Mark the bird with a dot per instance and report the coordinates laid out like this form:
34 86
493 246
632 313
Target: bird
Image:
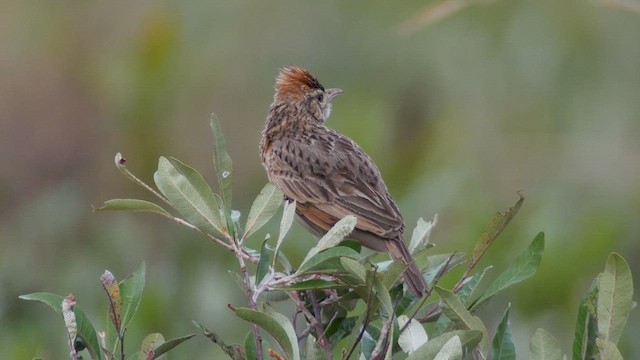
327 174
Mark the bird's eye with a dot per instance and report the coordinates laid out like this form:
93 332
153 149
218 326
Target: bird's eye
320 98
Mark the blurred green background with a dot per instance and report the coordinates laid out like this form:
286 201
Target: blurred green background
459 113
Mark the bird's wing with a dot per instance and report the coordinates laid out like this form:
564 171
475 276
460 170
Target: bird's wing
337 178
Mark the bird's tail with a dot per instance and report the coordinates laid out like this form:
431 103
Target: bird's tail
412 276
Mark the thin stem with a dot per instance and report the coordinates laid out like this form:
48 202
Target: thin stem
330 300
241 251
422 302
317 314
295 296
430 313
120 164
72 347
121 337
382 342
247 282
429 291
365 323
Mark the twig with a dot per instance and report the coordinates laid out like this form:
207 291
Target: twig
247 281
121 337
321 337
305 333
241 251
324 342
72 347
274 355
330 300
382 342
429 291
382 339
430 313
333 318
121 166
365 323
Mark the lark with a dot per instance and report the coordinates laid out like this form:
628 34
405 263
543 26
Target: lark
327 174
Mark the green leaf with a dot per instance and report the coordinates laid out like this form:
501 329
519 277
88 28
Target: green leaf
452 350
312 350
323 258
442 324
585 334
614 298
455 310
333 237
353 244
344 333
469 339
275 328
435 264
263 209
189 193
132 205
314 284
608 350
470 286
286 264
524 266
222 163
239 280
421 233
413 336
285 323
170 344
249 344
383 295
502 347
148 346
285 224
131 293
543 346
274 295
497 224
368 343
86 331
353 267
392 273
263 265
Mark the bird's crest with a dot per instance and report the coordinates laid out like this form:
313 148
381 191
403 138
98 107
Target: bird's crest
293 80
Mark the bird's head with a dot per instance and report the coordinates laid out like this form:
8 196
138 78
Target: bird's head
299 88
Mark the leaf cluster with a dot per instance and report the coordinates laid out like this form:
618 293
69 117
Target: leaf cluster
123 299
344 304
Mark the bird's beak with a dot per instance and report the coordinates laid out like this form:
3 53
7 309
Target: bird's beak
331 93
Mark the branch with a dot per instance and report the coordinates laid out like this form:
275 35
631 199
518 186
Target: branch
382 342
365 323
238 250
436 279
322 340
